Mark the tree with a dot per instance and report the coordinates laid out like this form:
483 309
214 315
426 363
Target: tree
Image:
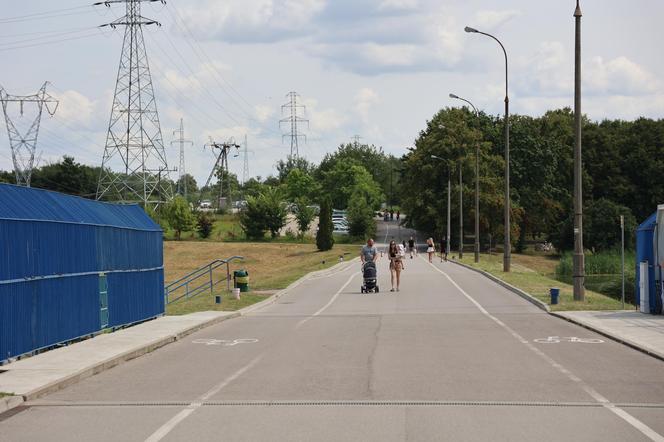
361 221
324 237
263 213
179 215
67 176
304 215
284 168
204 225
341 181
300 185
275 210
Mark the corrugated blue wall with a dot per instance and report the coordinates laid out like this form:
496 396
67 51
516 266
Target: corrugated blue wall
645 252
53 248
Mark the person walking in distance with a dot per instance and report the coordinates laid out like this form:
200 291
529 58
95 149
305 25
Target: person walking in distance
398 214
395 264
443 249
431 248
411 247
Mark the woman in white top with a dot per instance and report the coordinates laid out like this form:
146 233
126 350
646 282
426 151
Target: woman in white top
431 248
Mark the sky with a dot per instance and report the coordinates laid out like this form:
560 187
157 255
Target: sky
378 69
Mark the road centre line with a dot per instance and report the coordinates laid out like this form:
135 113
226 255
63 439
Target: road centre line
634 422
175 420
334 297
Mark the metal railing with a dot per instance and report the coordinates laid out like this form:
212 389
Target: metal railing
200 280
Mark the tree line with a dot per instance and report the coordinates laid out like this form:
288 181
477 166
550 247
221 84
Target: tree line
622 163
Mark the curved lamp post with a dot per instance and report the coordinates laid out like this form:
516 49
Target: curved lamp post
477 185
507 254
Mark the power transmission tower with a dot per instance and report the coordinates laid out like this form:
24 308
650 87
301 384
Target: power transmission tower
245 170
24 145
220 167
182 179
293 119
134 167
356 140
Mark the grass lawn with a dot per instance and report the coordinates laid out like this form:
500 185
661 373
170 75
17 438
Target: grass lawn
271 266
534 275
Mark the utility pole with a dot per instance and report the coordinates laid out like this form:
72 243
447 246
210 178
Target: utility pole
182 179
579 258
24 144
221 165
134 166
293 119
449 209
460 210
245 169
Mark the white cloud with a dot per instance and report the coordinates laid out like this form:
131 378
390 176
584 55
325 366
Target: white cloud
252 21
365 99
398 5
263 113
75 108
487 20
620 76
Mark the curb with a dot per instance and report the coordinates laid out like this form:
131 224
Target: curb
629 343
9 402
528 297
560 315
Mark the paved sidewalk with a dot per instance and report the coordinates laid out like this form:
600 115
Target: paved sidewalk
644 332
53 370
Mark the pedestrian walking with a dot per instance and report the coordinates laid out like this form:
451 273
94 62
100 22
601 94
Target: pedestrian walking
443 249
369 253
411 247
398 214
395 264
431 248
402 253
391 215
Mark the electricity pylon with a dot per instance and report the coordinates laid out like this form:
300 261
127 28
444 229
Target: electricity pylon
182 179
221 167
293 119
245 169
134 167
24 145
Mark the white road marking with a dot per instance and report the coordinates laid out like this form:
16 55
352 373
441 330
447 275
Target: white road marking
173 422
334 297
573 339
224 342
634 422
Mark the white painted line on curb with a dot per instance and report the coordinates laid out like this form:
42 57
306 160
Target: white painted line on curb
336 295
634 422
173 422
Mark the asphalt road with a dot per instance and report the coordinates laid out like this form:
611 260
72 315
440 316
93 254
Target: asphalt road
452 356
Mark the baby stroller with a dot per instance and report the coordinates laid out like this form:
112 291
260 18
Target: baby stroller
370 278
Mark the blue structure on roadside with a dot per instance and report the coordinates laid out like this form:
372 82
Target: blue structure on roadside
647 238
70 267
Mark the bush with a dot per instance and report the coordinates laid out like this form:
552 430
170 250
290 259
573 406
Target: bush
324 238
263 213
204 225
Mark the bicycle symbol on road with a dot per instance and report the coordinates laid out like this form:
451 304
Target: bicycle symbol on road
224 342
558 339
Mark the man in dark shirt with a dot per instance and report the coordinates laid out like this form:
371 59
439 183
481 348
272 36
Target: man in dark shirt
411 247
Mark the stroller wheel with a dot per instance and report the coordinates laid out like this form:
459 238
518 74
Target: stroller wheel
377 289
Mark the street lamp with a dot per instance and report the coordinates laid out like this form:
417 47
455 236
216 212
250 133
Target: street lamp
449 201
477 184
507 254
579 259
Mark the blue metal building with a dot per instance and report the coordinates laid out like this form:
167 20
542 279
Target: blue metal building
70 267
649 253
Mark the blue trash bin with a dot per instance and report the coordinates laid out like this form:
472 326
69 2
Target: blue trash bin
555 293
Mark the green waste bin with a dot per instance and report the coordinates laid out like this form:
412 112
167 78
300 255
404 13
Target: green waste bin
241 278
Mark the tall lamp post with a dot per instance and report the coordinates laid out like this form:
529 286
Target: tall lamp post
449 203
507 254
579 259
477 184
